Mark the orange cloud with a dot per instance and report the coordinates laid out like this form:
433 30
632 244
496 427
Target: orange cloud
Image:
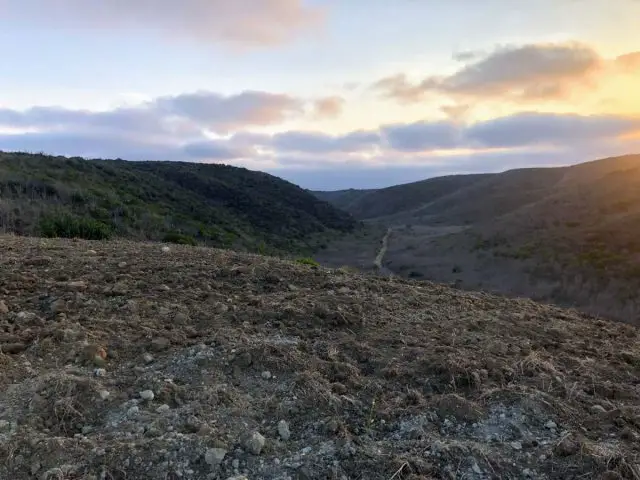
329 107
521 73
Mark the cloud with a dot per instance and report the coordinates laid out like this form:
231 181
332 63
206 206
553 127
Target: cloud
226 113
92 145
329 107
518 72
181 115
238 22
530 129
629 62
423 136
316 142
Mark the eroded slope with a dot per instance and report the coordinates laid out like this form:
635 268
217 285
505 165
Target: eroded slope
343 376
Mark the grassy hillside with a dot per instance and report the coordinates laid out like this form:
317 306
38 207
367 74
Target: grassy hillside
214 204
567 235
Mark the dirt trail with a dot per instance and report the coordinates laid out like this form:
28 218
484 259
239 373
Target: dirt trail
381 253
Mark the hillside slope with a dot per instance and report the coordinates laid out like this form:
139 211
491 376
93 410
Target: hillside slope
566 235
121 360
217 204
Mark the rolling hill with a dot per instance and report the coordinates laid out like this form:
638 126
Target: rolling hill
567 235
214 204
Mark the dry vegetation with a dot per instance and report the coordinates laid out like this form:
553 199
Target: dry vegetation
344 376
564 235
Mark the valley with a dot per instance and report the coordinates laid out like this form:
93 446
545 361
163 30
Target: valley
561 235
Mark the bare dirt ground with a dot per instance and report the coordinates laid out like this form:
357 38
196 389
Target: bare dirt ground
126 361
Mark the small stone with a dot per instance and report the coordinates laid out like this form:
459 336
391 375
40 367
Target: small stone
160 343
87 429
476 469
164 408
527 473
147 357
3 308
133 411
235 464
344 290
104 394
214 456
266 375
283 430
567 446
255 443
238 477
147 395
58 306
551 425
597 409
35 467
122 264
306 450
99 372
166 249
78 285
92 252
516 445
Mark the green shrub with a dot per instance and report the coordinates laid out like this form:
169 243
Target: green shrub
179 238
307 261
69 226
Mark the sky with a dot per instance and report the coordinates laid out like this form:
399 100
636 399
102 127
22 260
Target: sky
328 94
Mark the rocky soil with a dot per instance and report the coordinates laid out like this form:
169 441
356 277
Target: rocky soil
141 361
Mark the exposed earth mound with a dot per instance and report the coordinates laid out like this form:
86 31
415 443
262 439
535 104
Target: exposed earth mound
125 360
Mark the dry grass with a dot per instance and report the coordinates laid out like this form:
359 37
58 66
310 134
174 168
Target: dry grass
383 378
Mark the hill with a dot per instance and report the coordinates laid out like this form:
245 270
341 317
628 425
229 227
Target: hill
123 360
214 204
567 235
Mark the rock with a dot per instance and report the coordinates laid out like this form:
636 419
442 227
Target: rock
122 264
597 409
214 456
35 467
181 319
611 475
77 285
104 394
238 477
3 308
551 425
100 372
164 408
58 306
159 344
166 249
133 411
92 252
147 357
255 443
266 375
516 445
147 395
344 290
283 430
13 348
567 446
38 261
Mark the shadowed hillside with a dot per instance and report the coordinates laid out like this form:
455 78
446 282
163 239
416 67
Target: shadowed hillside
568 235
185 202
